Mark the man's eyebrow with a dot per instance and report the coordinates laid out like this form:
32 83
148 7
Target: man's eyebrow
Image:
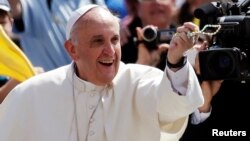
97 36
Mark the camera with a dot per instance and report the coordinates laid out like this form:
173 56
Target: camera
152 37
228 55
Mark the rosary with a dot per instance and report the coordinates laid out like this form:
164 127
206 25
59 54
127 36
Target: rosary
194 35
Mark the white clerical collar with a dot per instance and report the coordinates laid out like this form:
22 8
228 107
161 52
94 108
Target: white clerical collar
85 86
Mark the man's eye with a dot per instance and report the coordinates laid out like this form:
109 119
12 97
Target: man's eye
115 40
98 40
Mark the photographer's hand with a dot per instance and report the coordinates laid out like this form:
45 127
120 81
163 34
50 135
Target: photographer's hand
145 56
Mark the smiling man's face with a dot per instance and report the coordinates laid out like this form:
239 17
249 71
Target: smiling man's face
95 47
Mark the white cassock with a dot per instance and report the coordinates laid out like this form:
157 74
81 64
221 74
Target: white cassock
141 103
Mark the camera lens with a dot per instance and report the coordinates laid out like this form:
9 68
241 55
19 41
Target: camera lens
221 63
149 34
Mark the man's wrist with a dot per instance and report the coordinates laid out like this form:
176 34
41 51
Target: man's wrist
179 64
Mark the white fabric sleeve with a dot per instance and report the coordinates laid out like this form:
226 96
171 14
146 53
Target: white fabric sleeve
198 117
179 79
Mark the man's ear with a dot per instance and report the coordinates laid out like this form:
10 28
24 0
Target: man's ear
71 49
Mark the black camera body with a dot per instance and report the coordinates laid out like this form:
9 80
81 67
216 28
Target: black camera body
152 37
228 57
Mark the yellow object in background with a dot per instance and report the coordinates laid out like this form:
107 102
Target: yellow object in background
13 62
196 21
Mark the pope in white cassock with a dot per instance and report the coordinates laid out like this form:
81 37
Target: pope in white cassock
99 98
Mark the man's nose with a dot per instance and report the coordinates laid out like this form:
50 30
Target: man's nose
109 49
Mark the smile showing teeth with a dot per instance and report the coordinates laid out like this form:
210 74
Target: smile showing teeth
106 62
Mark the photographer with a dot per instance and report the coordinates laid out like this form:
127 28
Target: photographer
141 14
229 113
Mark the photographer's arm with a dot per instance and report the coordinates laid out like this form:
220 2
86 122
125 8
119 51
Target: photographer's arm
209 88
